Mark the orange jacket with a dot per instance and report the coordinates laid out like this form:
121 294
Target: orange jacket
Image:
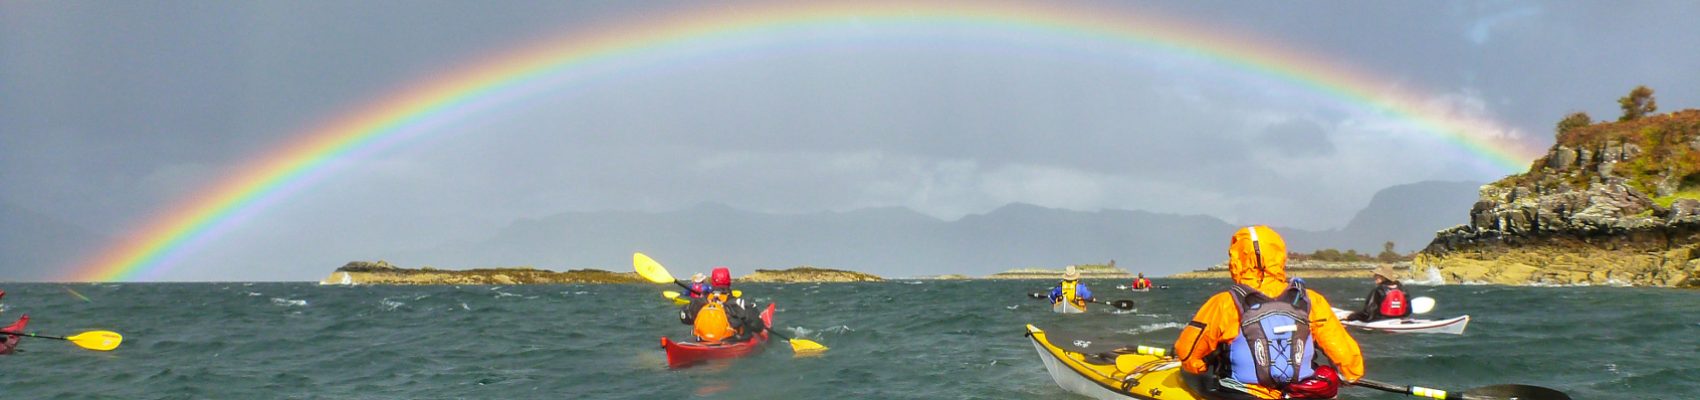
1218 321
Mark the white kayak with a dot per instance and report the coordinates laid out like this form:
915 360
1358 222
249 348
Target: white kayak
1125 287
1063 307
1453 325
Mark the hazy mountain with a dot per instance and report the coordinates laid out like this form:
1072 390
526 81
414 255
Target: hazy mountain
33 245
900 242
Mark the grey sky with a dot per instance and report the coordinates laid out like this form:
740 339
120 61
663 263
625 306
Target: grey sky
112 111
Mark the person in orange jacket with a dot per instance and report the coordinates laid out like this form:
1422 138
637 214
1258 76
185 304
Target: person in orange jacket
1258 339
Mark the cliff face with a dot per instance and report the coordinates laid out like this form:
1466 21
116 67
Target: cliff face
382 273
1610 204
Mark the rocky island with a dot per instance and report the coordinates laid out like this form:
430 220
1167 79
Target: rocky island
383 273
1311 269
1609 204
807 274
1087 271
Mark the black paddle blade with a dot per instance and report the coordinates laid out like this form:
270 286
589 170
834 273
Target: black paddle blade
1038 295
1515 392
1123 304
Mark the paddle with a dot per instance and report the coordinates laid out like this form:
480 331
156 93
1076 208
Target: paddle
1073 342
92 340
799 346
1494 392
654 272
1422 305
1123 304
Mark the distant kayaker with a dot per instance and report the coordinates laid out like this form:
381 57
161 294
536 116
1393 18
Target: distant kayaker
1140 282
699 286
1071 290
720 316
1241 344
1386 301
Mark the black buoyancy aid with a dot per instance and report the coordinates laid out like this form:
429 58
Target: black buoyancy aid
1274 347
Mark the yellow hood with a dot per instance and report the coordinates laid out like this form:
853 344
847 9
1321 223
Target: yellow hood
1271 278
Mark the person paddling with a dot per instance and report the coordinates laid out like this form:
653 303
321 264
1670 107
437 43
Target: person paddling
9 342
720 316
1071 290
699 286
1387 301
1140 283
1258 339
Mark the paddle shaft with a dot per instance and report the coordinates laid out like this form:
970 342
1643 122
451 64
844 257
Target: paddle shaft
1418 391
33 335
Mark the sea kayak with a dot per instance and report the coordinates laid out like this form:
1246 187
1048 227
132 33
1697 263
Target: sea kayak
1453 325
1127 288
683 354
9 342
1063 307
1115 372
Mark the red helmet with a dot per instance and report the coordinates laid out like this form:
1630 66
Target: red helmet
720 277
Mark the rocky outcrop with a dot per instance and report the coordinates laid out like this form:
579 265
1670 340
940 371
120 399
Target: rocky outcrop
1610 204
1087 271
1310 269
382 273
807 274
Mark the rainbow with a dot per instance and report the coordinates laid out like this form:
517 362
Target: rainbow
407 114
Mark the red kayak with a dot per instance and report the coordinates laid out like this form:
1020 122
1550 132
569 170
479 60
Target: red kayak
683 354
9 342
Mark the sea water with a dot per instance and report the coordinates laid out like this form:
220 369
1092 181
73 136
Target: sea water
899 339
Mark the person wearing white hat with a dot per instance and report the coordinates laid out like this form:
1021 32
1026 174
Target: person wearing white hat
1071 290
699 285
1387 301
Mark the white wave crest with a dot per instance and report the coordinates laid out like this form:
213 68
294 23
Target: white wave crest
288 302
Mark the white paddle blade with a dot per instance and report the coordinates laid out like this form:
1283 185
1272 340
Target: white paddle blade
1422 305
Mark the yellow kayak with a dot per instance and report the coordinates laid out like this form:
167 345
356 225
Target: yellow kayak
1116 372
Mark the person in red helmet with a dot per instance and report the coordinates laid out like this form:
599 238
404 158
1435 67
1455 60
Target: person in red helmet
719 315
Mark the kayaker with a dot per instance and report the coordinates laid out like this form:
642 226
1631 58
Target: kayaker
720 316
1071 290
1240 344
699 286
1386 301
1140 282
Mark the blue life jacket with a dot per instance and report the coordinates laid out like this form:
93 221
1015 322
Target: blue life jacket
1274 347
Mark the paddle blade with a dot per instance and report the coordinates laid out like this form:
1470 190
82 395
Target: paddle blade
1123 304
97 340
806 347
670 294
1038 295
1519 392
1422 305
649 269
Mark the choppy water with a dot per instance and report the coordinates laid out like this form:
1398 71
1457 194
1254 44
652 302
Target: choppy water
905 339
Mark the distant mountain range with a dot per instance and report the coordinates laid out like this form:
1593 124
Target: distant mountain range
893 242
897 242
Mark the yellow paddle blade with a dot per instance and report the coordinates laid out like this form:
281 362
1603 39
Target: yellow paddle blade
669 294
651 270
97 340
806 347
